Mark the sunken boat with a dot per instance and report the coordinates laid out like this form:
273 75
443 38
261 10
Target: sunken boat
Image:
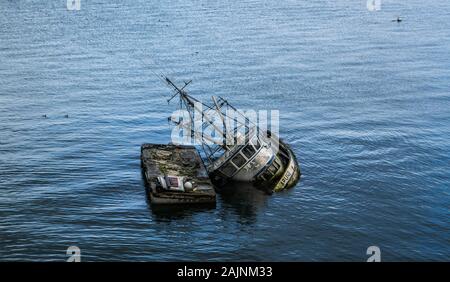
236 148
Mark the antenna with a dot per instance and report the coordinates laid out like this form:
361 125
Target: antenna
179 91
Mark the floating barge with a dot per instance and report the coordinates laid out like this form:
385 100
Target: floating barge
175 174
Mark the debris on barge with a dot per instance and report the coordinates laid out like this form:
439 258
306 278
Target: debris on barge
175 174
241 151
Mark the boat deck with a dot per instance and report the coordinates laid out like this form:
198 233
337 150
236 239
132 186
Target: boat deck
184 161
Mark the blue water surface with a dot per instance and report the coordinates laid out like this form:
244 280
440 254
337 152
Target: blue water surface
363 101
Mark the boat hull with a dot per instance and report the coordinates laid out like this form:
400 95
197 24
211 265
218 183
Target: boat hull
287 176
292 173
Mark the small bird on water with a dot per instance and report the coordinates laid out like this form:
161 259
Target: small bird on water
398 19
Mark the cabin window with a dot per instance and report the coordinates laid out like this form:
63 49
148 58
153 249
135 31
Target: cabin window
256 143
267 175
272 170
228 169
239 160
274 167
249 151
276 164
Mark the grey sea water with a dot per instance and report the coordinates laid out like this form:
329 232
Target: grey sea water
364 102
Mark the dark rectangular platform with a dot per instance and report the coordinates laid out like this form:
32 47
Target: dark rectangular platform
181 161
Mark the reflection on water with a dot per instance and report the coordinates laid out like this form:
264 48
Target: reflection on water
165 213
244 199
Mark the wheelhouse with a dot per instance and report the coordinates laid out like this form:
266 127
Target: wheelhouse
242 156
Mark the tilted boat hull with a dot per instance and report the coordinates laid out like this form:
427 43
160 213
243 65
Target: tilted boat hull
240 150
286 176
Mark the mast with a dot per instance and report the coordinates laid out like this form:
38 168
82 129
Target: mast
191 104
221 107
